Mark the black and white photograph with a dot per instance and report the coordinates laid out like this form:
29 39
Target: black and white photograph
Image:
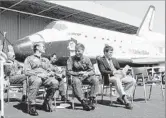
82 59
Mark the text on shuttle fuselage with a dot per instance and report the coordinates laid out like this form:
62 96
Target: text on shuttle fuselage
142 52
75 34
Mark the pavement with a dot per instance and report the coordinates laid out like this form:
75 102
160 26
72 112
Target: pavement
153 108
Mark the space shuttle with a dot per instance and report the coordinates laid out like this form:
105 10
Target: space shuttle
61 37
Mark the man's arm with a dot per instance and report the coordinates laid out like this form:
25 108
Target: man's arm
27 67
117 66
70 68
103 69
55 71
90 70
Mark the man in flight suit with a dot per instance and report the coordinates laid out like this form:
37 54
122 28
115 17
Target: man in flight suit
81 69
37 69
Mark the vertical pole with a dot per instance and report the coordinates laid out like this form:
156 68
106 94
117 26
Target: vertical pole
2 88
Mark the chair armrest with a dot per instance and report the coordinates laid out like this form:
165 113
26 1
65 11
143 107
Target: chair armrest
98 74
157 73
139 74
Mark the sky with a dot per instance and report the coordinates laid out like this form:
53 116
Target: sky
138 9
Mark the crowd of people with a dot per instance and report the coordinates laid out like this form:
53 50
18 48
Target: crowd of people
41 71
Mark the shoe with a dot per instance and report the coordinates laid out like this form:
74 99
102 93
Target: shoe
129 106
126 102
47 106
24 98
32 111
85 106
120 101
92 105
63 98
124 98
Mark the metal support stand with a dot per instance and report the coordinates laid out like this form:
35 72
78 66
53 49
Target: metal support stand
2 87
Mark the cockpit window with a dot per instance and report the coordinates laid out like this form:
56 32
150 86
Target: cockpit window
60 27
56 25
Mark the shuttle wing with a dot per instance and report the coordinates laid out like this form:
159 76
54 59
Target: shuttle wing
148 60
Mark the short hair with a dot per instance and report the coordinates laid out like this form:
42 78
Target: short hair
108 48
53 54
35 45
79 45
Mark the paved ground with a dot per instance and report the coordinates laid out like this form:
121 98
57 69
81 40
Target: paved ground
154 108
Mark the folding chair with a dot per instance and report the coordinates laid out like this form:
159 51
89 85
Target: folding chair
13 86
146 80
10 86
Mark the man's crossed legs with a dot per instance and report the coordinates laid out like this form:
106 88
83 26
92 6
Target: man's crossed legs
129 86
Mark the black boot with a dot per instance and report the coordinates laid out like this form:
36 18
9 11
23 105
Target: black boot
120 101
24 98
32 110
63 98
85 106
92 101
47 105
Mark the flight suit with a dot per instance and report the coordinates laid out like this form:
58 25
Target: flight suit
74 66
33 67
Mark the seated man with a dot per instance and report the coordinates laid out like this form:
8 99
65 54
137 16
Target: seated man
14 73
37 68
80 67
110 66
58 70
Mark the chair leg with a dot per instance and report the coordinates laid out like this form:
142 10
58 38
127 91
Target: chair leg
67 94
162 90
43 95
73 100
96 100
131 99
134 93
54 101
106 91
27 93
102 92
144 92
8 95
111 102
150 92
